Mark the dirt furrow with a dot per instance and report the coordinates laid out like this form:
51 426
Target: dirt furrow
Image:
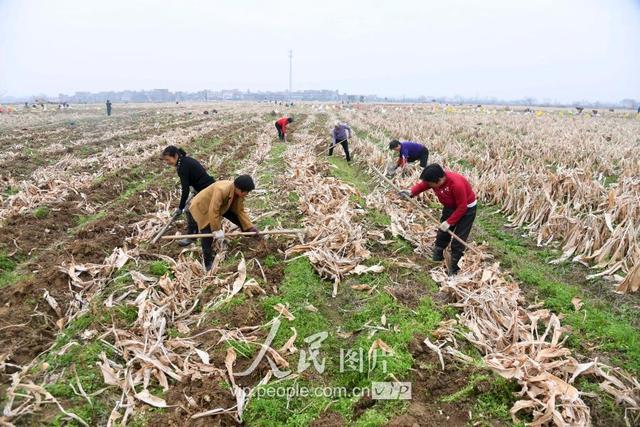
90 244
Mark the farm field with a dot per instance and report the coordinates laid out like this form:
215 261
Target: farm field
100 327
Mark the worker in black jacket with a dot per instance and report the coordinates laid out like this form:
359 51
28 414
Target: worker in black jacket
192 174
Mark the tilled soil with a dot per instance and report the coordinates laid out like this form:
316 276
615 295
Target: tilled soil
47 250
429 387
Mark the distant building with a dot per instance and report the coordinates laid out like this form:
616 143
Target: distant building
165 95
161 95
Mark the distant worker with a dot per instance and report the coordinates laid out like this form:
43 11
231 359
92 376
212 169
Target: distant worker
108 107
459 201
409 152
281 126
341 134
192 175
221 199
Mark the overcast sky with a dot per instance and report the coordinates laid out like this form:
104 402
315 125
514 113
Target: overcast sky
564 50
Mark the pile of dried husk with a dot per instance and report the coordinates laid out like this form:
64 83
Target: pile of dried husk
146 356
52 184
335 241
520 343
550 173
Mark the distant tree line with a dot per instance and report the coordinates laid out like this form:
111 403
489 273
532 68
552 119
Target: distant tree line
165 95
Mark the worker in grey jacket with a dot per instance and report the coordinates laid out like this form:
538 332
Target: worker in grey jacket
341 134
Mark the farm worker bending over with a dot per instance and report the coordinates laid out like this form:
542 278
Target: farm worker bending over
341 134
192 175
281 126
108 107
455 193
409 152
221 199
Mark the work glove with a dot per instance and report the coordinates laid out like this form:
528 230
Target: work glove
405 193
177 212
218 235
445 226
257 233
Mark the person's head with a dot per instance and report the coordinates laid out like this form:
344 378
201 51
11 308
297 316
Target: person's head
171 154
289 119
394 145
337 126
244 185
433 175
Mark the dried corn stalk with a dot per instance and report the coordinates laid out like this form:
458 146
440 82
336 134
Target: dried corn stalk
549 178
335 240
149 356
519 344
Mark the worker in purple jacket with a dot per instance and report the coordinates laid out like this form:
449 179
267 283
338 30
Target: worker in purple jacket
409 152
341 134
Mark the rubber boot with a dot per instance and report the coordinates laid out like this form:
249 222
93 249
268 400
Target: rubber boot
207 262
207 257
438 254
454 268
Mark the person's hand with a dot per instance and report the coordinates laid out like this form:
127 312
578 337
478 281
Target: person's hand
177 213
445 226
257 233
405 193
218 235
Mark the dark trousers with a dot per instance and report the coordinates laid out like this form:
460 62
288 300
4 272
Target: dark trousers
462 229
108 111
345 147
280 133
423 157
192 226
207 242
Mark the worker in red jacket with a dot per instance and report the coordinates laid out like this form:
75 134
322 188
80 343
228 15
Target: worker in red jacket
281 126
459 201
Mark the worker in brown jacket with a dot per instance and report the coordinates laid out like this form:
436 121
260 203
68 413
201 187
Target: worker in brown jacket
221 199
